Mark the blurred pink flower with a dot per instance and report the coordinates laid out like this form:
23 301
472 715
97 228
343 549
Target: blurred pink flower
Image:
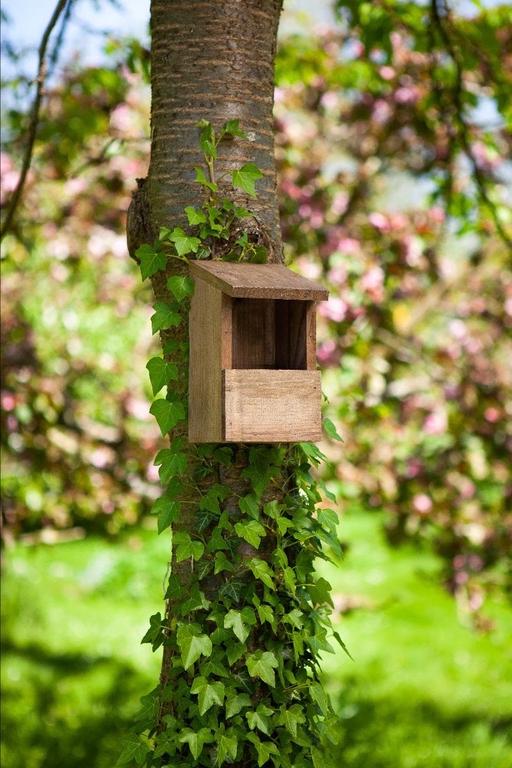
492 415
407 94
8 177
372 282
436 423
422 503
333 309
338 274
328 353
387 73
310 269
381 111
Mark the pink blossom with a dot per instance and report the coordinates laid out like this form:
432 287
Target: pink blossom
333 309
492 415
407 94
387 73
328 353
310 269
436 423
422 503
330 100
372 282
381 111
338 274
8 401
379 221
8 175
339 202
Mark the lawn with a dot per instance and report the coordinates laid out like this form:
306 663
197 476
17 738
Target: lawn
423 690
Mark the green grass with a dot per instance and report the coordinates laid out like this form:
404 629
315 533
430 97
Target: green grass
423 691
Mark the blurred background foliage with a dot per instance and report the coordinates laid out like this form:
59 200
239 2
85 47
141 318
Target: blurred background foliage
393 138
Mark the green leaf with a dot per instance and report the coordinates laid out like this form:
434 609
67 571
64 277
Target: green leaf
249 505
134 750
168 512
173 463
228 748
238 621
235 704
208 694
195 740
330 430
165 317
232 128
251 531
151 261
262 664
184 243
259 719
195 216
246 177
261 571
201 179
180 286
185 547
161 373
291 717
167 414
154 635
264 749
192 644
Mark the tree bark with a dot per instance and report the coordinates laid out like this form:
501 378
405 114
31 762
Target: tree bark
212 61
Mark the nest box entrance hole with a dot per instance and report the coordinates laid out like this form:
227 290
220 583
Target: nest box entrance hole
270 334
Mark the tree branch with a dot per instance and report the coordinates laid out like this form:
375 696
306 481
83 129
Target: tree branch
34 117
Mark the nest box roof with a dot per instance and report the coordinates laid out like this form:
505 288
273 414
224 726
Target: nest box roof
257 281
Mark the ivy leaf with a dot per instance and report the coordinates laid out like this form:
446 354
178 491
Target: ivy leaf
187 548
246 177
208 694
154 635
165 317
252 532
249 505
192 644
331 431
261 571
180 286
222 563
160 373
134 750
291 717
262 664
151 261
167 414
228 747
195 740
201 179
173 464
264 749
320 697
184 243
232 128
167 510
235 704
238 620
259 718
195 216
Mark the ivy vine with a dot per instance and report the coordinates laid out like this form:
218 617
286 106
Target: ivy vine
247 629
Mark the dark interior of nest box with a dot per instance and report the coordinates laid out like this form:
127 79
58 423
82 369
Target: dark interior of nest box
269 334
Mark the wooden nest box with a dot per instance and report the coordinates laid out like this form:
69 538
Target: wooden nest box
253 376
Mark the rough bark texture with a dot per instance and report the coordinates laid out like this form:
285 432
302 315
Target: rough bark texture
213 61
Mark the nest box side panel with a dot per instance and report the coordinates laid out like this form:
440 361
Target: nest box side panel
271 406
207 333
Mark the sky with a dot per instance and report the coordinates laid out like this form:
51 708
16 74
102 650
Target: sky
28 19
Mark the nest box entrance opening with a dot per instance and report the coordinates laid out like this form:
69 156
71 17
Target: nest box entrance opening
268 333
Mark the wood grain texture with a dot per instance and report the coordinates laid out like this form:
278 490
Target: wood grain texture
257 281
254 326
205 380
271 406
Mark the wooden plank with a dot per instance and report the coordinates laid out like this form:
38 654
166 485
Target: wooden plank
271 406
257 281
291 326
253 328
311 336
205 378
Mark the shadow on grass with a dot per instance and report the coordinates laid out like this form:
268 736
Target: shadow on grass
66 710
418 734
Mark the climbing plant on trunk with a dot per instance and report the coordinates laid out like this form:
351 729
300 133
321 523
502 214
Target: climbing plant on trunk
246 616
